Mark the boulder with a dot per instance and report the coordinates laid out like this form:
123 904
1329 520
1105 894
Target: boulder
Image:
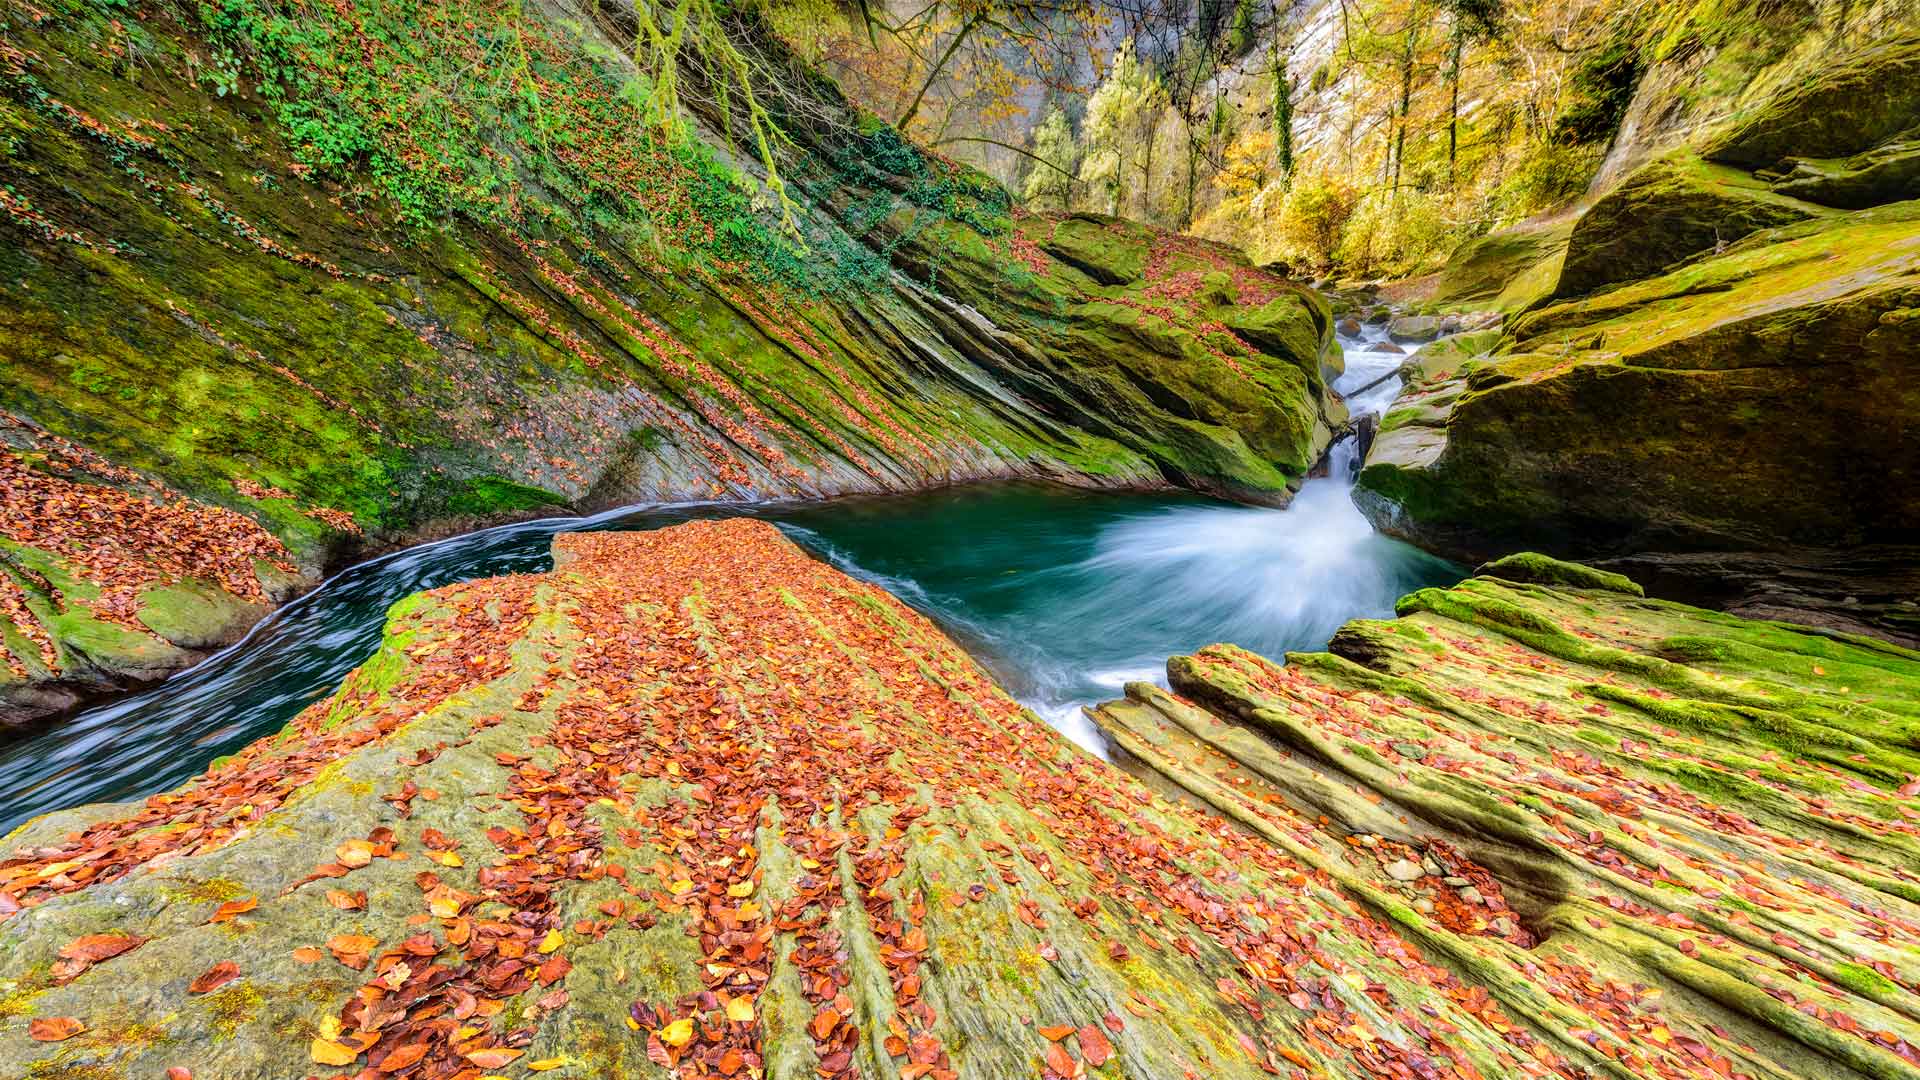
1755 399
1290 326
1863 99
1414 329
1669 210
1507 269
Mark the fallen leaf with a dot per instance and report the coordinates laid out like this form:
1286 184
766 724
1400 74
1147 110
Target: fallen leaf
54 1028
215 977
234 907
1094 1045
328 1052
678 1033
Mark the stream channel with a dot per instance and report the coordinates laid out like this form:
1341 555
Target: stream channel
1065 595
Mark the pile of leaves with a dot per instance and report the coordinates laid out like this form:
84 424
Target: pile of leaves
115 529
876 862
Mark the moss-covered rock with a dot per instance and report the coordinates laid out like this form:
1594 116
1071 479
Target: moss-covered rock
1108 250
1749 400
1505 270
266 293
1669 210
1567 791
1861 100
1530 567
1889 173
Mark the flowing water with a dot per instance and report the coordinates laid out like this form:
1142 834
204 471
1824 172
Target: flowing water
1065 595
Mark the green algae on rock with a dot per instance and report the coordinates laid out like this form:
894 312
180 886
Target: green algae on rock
1579 796
1668 211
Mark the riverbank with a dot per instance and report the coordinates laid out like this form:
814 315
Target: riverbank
701 727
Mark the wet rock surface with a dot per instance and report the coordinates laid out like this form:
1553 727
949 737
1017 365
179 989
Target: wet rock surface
693 802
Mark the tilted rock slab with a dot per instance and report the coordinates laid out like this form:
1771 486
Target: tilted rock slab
695 804
1678 843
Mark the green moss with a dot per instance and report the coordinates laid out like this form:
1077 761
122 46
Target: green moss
202 891
232 1006
1866 981
1534 568
488 495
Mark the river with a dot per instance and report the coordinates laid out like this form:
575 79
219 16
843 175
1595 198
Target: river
1065 595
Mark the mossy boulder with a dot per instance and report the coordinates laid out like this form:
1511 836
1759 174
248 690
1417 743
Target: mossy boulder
1414 329
1667 211
1752 399
1296 325
1861 100
1111 251
1504 270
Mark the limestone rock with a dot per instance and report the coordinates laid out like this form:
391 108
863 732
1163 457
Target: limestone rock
1670 210
1633 794
1414 329
1860 101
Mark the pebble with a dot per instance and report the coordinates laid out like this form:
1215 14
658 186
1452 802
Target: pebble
1405 870
1472 895
1457 881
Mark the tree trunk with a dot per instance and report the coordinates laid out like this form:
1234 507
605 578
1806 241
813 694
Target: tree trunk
1406 100
1146 171
1453 104
1282 110
939 66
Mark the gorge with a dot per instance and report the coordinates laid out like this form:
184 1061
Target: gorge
552 538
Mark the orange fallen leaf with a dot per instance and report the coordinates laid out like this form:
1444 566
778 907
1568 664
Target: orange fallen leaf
54 1028
234 907
328 1052
1094 1045
215 977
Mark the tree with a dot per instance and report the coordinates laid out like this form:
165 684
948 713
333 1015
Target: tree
1282 106
1051 174
1470 20
1316 213
1127 101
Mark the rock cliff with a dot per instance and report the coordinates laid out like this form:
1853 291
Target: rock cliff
284 282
